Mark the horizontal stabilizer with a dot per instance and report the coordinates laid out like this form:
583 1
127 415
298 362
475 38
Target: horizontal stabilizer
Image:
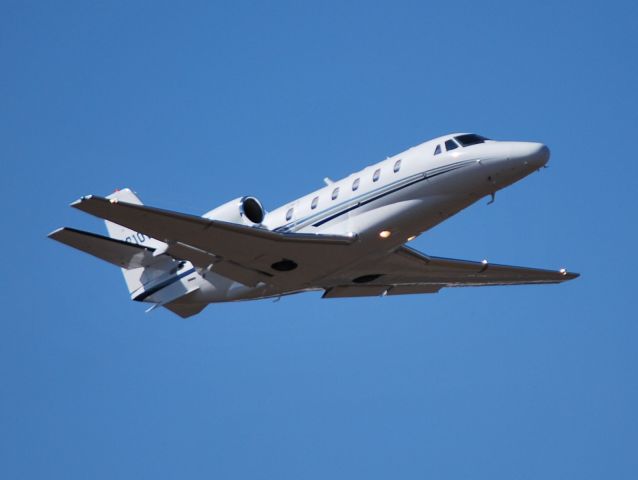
185 310
185 306
119 253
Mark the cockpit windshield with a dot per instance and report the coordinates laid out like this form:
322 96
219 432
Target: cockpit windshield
470 139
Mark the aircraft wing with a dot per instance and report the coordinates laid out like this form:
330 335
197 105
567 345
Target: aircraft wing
246 254
117 252
408 271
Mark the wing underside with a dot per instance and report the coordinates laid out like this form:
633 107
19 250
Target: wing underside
407 271
290 261
246 254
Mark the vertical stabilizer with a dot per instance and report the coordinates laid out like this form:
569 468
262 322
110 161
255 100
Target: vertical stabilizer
136 277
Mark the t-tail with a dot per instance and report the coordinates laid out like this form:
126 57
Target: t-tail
150 274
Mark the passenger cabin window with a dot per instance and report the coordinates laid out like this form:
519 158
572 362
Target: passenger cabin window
289 214
376 175
315 202
470 139
355 184
437 150
450 145
335 193
397 166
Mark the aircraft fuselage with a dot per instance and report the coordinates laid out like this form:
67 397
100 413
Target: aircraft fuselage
405 199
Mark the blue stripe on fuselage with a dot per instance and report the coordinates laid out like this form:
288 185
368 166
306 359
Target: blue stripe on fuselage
329 214
147 293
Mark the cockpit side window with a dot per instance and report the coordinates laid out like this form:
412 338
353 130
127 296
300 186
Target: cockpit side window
450 145
437 150
470 139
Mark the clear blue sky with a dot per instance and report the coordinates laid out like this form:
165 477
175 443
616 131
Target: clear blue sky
195 103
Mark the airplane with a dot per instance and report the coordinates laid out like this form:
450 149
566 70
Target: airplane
347 239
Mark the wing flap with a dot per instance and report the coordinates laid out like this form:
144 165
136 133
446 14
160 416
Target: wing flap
344 291
409 289
208 261
119 253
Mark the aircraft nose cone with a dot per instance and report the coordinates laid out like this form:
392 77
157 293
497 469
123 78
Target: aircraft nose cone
539 155
533 155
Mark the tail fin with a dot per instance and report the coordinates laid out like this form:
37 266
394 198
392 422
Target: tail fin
119 232
136 277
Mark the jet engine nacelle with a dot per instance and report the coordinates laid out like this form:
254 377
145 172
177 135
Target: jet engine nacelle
242 210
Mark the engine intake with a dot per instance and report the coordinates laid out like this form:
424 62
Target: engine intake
251 208
243 210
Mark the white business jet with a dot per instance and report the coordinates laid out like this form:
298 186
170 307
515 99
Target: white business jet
346 239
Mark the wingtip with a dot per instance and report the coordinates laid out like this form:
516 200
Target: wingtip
568 275
55 232
76 203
